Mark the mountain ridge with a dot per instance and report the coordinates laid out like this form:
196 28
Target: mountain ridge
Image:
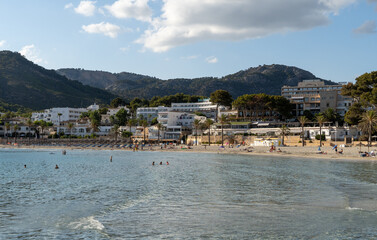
24 83
262 79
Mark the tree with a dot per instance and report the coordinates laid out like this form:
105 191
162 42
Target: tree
116 102
154 121
223 120
126 134
144 124
70 126
368 124
121 117
221 97
196 126
7 127
332 116
309 115
115 130
321 120
29 124
284 131
208 123
131 122
103 111
354 113
59 115
159 127
364 90
95 120
15 128
303 120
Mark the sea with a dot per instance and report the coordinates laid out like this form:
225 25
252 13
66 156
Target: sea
196 196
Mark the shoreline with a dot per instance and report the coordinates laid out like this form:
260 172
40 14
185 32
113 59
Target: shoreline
349 154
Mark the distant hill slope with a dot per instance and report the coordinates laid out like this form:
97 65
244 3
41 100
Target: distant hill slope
25 83
263 79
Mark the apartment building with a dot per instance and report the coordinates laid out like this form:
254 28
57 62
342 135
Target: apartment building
315 96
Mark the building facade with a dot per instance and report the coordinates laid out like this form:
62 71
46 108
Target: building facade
315 96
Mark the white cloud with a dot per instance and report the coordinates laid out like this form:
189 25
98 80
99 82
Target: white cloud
187 21
86 8
137 9
69 5
2 43
106 29
368 27
32 53
211 59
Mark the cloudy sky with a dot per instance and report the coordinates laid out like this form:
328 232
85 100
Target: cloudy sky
334 39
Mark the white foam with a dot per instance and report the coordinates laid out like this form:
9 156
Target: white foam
353 208
87 223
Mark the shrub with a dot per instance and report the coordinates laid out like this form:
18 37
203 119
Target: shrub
317 137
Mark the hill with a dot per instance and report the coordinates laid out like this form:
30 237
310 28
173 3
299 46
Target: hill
24 83
263 79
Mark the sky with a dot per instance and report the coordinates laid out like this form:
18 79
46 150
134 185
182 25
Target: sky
333 39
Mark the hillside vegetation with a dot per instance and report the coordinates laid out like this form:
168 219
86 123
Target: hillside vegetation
263 79
25 83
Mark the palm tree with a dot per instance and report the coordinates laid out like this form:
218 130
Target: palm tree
368 123
303 120
29 123
15 128
70 126
321 120
223 120
144 124
115 129
208 123
159 126
196 126
58 130
284 131
7 127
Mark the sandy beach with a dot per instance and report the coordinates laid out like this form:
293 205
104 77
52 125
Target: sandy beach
349 153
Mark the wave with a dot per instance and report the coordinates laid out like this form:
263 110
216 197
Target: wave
88 223
353 208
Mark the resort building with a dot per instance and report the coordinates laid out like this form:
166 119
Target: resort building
203 106
315 96
148 113
57 115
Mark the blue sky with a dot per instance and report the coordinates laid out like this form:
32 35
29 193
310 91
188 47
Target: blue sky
333 39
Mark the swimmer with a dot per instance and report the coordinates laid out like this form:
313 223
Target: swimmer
56 166
25 166
152 163
167 163
161 163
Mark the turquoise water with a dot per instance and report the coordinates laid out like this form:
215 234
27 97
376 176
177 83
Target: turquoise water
197 196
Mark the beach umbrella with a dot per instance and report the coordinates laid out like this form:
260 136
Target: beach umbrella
334 147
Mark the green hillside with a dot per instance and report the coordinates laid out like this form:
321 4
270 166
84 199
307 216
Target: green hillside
25 83
263 79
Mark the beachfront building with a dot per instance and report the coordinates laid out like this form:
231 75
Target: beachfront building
315 96
148 113
204 106
58 115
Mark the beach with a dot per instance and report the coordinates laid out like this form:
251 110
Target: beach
349 153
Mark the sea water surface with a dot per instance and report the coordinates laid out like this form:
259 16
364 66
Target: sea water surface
197 196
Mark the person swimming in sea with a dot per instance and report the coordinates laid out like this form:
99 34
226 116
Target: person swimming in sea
167 163
161 163
25 166
56 166
152 163
111 158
